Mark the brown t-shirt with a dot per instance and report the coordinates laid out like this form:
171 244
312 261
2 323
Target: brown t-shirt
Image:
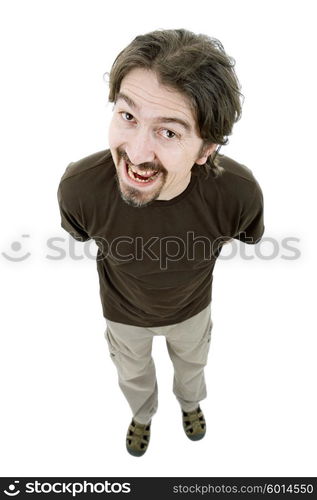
155 263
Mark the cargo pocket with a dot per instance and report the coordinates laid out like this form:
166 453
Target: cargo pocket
207 336
206 340
119 354
113 350
210 329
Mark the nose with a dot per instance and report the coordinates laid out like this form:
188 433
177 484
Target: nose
140 148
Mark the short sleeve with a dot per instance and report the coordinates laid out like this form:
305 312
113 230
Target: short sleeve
69 221
251 224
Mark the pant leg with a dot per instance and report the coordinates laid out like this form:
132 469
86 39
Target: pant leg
188 345
130 349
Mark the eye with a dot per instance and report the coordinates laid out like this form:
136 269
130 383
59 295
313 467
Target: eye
168 134
126 116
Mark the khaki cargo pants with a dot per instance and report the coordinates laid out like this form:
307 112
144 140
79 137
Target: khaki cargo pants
188 345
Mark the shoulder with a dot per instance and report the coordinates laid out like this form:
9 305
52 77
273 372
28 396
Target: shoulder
87 165
233 170
236 179
234 188
87 175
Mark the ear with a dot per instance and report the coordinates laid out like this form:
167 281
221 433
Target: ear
205 153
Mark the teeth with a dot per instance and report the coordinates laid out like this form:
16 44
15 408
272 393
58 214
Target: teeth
143 172
130 170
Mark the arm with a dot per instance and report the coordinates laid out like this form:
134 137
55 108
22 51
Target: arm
70 221
251 224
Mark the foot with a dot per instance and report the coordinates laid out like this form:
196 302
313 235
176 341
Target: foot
194 424
138 437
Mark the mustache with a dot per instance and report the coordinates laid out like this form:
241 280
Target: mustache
142 166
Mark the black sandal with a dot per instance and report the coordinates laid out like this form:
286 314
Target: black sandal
138 437
194 424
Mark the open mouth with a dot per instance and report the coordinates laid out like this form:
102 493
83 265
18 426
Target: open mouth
146 177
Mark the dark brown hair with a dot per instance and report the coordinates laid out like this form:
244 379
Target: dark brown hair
195 65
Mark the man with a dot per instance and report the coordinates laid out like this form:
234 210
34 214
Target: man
160 204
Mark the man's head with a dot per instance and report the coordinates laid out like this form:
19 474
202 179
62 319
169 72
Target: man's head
176 98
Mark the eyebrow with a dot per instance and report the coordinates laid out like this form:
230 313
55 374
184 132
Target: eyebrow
161 119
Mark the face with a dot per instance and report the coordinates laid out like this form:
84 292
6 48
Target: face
153 140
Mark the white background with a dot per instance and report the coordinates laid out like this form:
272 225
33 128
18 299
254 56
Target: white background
62 411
